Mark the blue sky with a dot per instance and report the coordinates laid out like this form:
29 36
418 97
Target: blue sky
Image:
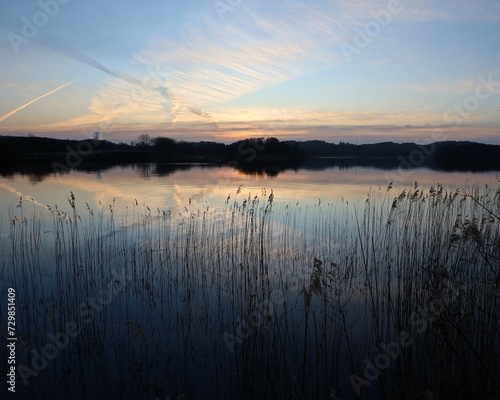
364 71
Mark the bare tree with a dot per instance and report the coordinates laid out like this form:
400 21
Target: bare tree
144 141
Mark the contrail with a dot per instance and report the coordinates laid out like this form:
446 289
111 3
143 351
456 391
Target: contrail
164 91
9 114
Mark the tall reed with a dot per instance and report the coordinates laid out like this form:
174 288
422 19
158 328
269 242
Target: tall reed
306 293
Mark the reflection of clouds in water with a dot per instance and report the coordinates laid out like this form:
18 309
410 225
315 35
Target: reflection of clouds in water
211 186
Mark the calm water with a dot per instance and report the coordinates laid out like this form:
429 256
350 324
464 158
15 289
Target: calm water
206 282
171 190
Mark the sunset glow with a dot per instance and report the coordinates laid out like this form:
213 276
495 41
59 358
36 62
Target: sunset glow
367 71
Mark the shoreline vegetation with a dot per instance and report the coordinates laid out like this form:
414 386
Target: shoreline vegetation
446 155
393 297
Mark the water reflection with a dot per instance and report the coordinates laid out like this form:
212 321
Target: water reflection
209 282
168 186
37 172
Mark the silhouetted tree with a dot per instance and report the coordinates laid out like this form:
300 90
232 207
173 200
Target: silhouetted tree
164 145
144 141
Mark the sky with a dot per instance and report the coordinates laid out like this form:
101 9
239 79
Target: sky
334 70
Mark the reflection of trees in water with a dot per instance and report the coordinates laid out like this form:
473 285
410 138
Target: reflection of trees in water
272 168
37 172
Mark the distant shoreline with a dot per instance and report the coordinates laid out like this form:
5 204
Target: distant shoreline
68 154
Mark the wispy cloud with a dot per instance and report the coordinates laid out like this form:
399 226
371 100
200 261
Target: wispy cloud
213 62
427 10
210 62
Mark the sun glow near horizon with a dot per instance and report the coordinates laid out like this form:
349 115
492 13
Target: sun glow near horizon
328 70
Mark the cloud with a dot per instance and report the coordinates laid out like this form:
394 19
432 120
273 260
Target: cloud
209 62
215 62
127 94
427 10
212 62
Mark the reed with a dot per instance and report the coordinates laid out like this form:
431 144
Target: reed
305 294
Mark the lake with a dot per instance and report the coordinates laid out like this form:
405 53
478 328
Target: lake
340 281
